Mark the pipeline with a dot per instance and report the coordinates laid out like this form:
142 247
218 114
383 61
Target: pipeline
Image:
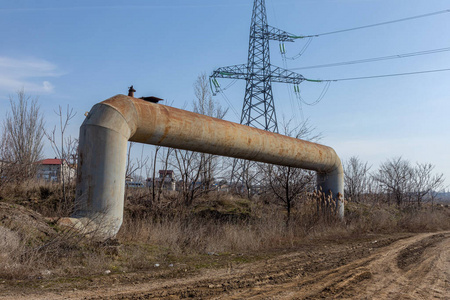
112 123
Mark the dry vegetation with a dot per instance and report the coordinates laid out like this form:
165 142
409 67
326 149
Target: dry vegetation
166 234
216 225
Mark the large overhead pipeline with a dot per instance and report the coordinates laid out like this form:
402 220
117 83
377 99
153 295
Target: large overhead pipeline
112 123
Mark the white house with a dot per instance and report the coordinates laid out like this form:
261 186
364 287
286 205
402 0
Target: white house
52 169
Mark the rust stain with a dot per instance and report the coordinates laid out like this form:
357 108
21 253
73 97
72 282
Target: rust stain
167 126
171 126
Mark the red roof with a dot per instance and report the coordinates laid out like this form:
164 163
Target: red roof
165 171
50 161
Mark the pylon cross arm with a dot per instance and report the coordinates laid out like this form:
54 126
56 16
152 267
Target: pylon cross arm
232 72
285 76
241 72
276 34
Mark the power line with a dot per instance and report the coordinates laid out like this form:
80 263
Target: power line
229 85
321 96
229 103
283 53
375 59
380 76
379 24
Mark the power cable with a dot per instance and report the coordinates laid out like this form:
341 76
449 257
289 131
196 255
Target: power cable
216 89
229 103
229 85
321 96
301 51
292 103
305 47
291 98
374 59
274 14
381 76
379 24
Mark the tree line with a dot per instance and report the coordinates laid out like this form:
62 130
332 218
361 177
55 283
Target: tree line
396 181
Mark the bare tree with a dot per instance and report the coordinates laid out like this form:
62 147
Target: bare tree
394 177
157 148
357 179
287 184
187 163
197 170
425 183
204 104
23 130
165 160
408 184
6 167
136 164
245 177
72 153
65 148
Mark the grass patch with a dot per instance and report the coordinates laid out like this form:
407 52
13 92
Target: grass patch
217 231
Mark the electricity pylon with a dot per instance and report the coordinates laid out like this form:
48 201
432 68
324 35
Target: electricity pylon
259 108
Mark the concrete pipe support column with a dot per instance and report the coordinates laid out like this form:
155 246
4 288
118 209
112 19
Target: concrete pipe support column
111 123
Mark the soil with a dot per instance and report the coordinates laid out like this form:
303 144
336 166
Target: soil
388 267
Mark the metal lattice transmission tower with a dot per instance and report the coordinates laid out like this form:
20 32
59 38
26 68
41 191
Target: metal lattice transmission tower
259 108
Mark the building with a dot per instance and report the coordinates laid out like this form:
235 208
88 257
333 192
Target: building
52 169
165 180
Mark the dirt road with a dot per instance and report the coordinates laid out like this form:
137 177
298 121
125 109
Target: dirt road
416 267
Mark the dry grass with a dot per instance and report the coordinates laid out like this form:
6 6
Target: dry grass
40 196
9 244
425 220
34 247
382 218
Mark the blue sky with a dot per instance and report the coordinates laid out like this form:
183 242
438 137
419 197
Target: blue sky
82 52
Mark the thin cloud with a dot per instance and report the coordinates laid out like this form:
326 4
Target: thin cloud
30 74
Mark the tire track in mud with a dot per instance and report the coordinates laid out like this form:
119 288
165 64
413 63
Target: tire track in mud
396 273
336 273
425 275
272 272
421 270
416 267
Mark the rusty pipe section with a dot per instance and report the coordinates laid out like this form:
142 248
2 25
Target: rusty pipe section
113 122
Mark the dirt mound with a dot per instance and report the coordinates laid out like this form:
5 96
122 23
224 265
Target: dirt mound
27 224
